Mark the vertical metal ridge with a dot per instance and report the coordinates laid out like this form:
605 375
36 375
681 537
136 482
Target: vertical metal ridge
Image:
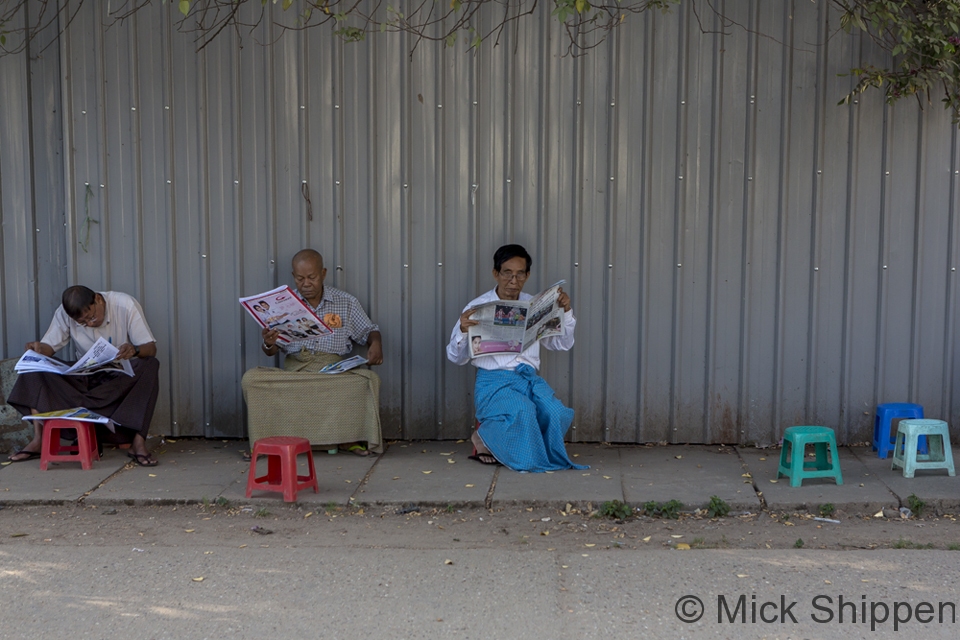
844 414
646 179
948 378
917 294
743 397
713 208
678 222
883 258
610 217
786 92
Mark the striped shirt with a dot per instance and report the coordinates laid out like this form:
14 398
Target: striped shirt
355 324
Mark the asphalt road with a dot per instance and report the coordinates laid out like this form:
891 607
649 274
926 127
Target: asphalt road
147 574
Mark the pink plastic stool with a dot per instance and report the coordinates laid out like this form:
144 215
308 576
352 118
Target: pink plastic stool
85 452
281 452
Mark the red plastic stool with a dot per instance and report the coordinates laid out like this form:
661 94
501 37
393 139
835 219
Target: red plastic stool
85 451
281 452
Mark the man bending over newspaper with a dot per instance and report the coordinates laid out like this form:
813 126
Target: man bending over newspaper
84 316
522 423
331 409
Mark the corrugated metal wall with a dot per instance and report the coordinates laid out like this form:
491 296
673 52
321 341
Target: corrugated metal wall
742 254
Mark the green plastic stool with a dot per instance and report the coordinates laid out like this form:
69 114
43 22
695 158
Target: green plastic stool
905 454
795 441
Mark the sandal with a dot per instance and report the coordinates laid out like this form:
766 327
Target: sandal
356 449
143 459
31 455
483 458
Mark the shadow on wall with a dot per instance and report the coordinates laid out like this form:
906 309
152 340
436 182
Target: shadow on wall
13 432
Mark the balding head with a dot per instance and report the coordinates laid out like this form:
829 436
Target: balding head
308 255
308 274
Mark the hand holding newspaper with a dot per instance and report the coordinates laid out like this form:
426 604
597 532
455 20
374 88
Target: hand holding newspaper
282 310
102 356
511 326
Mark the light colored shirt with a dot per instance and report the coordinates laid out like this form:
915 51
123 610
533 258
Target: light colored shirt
123 322
356 324
458 349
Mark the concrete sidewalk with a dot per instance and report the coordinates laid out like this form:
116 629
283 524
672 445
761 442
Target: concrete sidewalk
440 474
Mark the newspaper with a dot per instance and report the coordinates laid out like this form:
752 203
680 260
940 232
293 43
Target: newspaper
511 326
282 310
344 365
78 413
102 356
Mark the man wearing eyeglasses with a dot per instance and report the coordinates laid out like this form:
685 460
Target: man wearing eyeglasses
522 423
83 317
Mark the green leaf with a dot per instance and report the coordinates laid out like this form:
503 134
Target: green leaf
184 7
455 5
286 4
3 40
451 39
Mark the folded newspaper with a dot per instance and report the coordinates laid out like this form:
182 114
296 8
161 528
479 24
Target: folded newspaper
78 413
102 356
511 326
344 365
283 310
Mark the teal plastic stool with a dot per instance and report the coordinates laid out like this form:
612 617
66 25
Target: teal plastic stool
826 463
905 454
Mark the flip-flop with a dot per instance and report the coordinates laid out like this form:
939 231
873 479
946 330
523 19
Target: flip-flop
143 459
31 455
356 449
484 458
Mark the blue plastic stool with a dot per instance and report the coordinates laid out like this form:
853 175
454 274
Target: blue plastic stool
905 453
883 438
795 441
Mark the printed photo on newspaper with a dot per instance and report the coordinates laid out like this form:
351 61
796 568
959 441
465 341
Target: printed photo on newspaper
78 413
282 310
102 356
510 326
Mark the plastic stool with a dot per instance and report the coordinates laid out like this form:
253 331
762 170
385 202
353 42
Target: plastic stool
791 457
281 452
905 453
84 452
883 437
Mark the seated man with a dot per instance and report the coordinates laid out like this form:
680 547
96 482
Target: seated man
85 316
341 408
522 423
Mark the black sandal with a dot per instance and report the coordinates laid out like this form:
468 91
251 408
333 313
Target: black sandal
484 458
143 459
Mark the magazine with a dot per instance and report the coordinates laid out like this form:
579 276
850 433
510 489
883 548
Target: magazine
102 356
344 365
78 413
281 309
511 326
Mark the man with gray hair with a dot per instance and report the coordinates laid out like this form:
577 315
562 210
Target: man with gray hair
341 409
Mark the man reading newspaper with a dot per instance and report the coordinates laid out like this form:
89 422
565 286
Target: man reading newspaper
299 400
522 423
84 316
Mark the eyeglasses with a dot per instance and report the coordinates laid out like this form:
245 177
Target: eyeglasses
507 276
89 317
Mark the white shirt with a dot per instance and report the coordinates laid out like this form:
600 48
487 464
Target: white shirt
123 321
458 349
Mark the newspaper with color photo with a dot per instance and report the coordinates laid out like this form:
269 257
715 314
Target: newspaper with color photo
281 309
511 326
